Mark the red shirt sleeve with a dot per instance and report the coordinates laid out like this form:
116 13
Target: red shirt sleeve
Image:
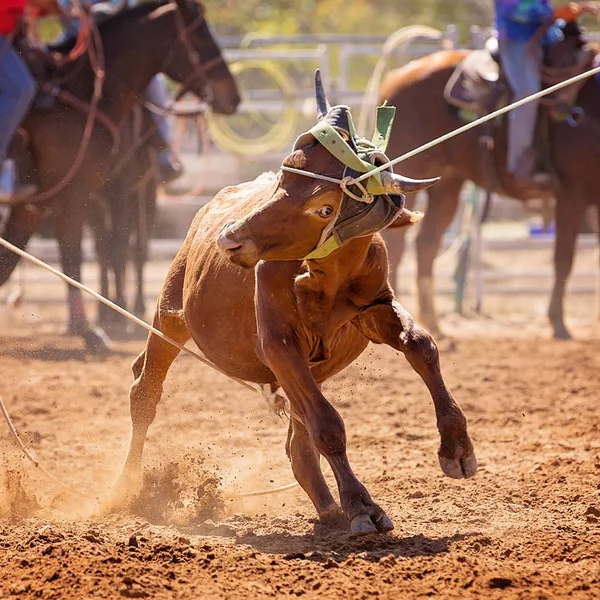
10 13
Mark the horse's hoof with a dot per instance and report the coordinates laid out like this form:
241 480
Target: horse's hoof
562 333
97 342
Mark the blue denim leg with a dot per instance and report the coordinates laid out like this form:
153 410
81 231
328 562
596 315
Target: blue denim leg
17 90
157 93
523 72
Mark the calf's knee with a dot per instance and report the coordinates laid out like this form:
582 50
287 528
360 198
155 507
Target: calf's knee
420 342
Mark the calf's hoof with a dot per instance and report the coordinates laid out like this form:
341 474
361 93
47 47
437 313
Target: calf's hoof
365 524
370 519
459 467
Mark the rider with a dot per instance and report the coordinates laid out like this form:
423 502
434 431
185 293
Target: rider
516 22
157 92
17 87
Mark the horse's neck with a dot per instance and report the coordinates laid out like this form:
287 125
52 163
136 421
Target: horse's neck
134 53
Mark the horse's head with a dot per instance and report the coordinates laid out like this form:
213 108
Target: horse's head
196 61
308 217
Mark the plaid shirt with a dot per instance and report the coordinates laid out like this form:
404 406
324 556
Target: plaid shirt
519 19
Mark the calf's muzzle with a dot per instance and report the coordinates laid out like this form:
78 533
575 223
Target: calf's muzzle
236 244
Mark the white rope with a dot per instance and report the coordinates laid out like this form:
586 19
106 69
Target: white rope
141 323
479 121
122 311
311 174
356 180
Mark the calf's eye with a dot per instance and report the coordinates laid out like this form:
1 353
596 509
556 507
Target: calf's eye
325 211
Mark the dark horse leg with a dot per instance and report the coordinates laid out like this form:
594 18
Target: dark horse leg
97 223
568 222
68 227
146 209
441 208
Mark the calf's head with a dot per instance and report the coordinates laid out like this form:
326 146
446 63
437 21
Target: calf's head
307 217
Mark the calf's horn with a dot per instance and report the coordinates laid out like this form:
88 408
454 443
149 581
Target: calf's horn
398 184
322 104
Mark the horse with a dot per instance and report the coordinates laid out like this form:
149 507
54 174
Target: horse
417 89
174 38
283 281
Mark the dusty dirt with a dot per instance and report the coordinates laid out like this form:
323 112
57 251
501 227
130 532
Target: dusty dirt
527 526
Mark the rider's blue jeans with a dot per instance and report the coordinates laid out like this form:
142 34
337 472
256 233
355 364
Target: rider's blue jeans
522 68
17 90
157 93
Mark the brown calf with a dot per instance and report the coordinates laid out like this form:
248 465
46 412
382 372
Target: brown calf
241 287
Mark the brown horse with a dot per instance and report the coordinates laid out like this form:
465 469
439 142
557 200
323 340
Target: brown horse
173 38
417 90
247 287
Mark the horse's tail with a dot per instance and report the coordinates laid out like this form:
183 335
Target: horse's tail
22 223
401 39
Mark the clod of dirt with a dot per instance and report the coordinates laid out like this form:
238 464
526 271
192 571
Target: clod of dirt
593 511
181 492
500 583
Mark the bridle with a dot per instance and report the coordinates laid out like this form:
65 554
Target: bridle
200 69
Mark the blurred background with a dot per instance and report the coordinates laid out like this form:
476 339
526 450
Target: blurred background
273 48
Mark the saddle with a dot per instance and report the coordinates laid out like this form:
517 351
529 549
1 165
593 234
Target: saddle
478 85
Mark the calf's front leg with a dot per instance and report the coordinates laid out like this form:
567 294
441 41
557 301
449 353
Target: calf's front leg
391 324
317 427
312 412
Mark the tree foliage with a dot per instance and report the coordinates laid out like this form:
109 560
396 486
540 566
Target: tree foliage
342 16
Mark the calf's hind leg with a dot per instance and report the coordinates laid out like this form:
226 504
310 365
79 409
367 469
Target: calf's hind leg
150 369
305 458
391 324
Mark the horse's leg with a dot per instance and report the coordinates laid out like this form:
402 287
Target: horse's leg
570 209
391 324
441 208
145 218
98 225
68 227
395 240
122 222
151 366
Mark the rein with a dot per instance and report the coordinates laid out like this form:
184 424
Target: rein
199 68
96 57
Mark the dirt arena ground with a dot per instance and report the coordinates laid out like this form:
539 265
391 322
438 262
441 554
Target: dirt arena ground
527 526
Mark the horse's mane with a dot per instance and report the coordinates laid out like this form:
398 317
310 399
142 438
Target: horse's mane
136 12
